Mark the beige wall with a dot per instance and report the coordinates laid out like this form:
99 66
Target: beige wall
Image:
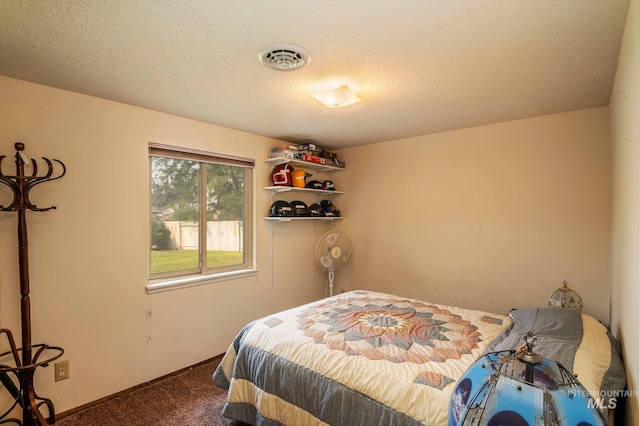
88 258
492 217
625 250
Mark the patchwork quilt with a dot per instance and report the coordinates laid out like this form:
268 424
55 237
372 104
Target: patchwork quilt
358 358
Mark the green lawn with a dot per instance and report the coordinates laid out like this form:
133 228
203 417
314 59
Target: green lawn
178 260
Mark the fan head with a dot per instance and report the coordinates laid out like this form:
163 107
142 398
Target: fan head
333 251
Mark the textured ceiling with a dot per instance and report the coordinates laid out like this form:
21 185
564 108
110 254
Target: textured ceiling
420 66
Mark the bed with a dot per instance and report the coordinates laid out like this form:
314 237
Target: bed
368 358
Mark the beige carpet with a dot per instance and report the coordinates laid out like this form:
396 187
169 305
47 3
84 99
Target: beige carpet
186 399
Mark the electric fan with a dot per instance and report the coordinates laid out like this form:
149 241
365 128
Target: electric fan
333 252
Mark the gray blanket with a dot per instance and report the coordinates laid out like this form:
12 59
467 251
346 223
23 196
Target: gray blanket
559 334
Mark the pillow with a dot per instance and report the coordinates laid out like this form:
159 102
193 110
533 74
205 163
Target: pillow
577 341
598 361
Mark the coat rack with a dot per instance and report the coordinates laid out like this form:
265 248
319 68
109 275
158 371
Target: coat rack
23 368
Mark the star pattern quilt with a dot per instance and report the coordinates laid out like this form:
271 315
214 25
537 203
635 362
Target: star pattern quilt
358 358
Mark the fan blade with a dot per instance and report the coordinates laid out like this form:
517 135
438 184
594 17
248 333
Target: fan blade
331 240
326 261
346 255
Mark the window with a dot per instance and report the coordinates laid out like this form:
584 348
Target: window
201 214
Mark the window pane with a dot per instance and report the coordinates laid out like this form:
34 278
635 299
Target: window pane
175 215
225 215
201 213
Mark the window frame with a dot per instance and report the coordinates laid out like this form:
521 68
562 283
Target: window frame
202 275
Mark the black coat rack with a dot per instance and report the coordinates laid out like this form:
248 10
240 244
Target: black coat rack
22 368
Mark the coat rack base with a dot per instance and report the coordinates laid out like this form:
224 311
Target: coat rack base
18 381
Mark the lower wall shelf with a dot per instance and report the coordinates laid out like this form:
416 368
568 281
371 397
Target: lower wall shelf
290 218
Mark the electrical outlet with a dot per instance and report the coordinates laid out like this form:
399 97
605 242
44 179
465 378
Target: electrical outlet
61 370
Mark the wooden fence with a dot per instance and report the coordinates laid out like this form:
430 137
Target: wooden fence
221 235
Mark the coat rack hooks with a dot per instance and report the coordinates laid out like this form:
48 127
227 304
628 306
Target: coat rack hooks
23 367
22 184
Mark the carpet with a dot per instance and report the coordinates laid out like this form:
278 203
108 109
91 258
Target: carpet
188 398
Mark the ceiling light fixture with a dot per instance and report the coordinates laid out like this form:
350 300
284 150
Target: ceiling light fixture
283 57
336 97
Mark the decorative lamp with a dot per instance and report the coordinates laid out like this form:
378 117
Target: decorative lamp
564 297
520 388
337 97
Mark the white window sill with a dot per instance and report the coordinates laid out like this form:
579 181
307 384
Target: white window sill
157 286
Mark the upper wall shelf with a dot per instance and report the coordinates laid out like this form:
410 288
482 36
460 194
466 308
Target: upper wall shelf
304 164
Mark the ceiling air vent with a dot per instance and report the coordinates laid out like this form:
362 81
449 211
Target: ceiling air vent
284 57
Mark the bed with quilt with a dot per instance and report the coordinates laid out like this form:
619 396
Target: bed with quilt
367 358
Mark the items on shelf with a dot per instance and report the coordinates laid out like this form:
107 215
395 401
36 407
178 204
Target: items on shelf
314 184
291 175
328 185
308 152
281 175
329 208
299 178
297 208
286 175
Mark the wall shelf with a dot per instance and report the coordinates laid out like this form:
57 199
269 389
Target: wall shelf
279 189
276 189
291 218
